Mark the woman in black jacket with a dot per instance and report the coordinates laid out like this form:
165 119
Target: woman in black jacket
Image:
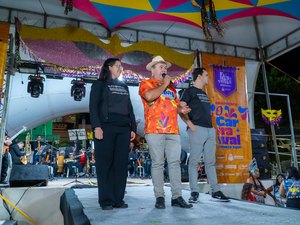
114 126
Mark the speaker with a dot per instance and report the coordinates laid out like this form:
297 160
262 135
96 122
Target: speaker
258 139
29 175
263 163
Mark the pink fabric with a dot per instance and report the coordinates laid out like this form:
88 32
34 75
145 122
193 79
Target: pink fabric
256 11
165 4
62 53
87 7
157 16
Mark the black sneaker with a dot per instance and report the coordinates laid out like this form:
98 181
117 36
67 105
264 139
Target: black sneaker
220 196
194 197
122 205
107 207
179 202
160 203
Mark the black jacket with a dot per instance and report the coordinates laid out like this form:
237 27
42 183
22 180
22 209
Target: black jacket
16 154
99 105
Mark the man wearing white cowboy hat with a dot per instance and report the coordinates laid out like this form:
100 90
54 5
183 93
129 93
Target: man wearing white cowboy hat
161 106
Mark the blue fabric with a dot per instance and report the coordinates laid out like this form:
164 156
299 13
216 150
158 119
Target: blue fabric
292 188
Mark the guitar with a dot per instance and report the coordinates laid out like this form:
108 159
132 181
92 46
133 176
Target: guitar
6 148
18 133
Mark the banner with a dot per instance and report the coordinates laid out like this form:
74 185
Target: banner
4 30
229 107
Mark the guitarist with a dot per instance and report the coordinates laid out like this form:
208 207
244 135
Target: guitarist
38 147
16 154
5 159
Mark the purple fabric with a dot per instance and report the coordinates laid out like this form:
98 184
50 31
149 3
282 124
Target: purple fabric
225 79
67 54
63 53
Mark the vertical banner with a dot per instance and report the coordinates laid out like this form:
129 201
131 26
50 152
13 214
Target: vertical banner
4 30
229 107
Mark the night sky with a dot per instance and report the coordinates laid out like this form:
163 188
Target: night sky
289 62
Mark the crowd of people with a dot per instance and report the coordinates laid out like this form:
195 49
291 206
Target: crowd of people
285 192
75 161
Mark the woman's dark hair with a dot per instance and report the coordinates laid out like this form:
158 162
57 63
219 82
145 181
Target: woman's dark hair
105 72
292 172
246 191
276 181
197 71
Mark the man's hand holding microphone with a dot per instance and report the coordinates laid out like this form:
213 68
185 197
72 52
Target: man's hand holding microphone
183 108
167 80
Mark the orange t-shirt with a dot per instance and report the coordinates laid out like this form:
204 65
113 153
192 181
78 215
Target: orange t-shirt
160 114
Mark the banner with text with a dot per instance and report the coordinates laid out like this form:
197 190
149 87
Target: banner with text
229 108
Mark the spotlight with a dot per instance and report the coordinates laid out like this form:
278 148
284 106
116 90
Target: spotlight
78 89
35 86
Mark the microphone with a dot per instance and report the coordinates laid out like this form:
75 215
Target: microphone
171 83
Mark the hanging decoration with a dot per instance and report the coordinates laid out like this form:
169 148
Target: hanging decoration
68 4
271 116
183 77
209 18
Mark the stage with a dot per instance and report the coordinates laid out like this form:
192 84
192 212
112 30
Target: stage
44 204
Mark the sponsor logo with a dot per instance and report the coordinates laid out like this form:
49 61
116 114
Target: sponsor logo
230 167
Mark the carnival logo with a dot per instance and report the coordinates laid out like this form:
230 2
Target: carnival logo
225 79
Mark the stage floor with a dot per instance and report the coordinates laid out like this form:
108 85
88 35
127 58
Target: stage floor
140 199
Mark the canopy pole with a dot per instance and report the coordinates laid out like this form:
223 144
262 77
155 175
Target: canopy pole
293 142
6 93
262 61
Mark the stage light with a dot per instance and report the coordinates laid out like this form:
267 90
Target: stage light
78 89
35 86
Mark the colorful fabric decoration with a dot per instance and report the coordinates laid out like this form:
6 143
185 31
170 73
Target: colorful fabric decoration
117 13
82 53
68 5
209 18
271 116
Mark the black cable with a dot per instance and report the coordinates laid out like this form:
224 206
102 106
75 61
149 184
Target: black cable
6 206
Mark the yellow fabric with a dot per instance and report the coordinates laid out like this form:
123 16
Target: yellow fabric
4 30
269 2
133 4
194 17
229 4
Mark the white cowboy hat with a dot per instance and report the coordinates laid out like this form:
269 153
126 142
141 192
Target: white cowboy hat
155 60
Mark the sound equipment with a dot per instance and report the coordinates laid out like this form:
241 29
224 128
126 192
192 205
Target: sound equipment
258 139
29 175
260 152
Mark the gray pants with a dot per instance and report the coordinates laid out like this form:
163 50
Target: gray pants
161 145
203 141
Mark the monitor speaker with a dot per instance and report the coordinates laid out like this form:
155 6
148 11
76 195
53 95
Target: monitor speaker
28 175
